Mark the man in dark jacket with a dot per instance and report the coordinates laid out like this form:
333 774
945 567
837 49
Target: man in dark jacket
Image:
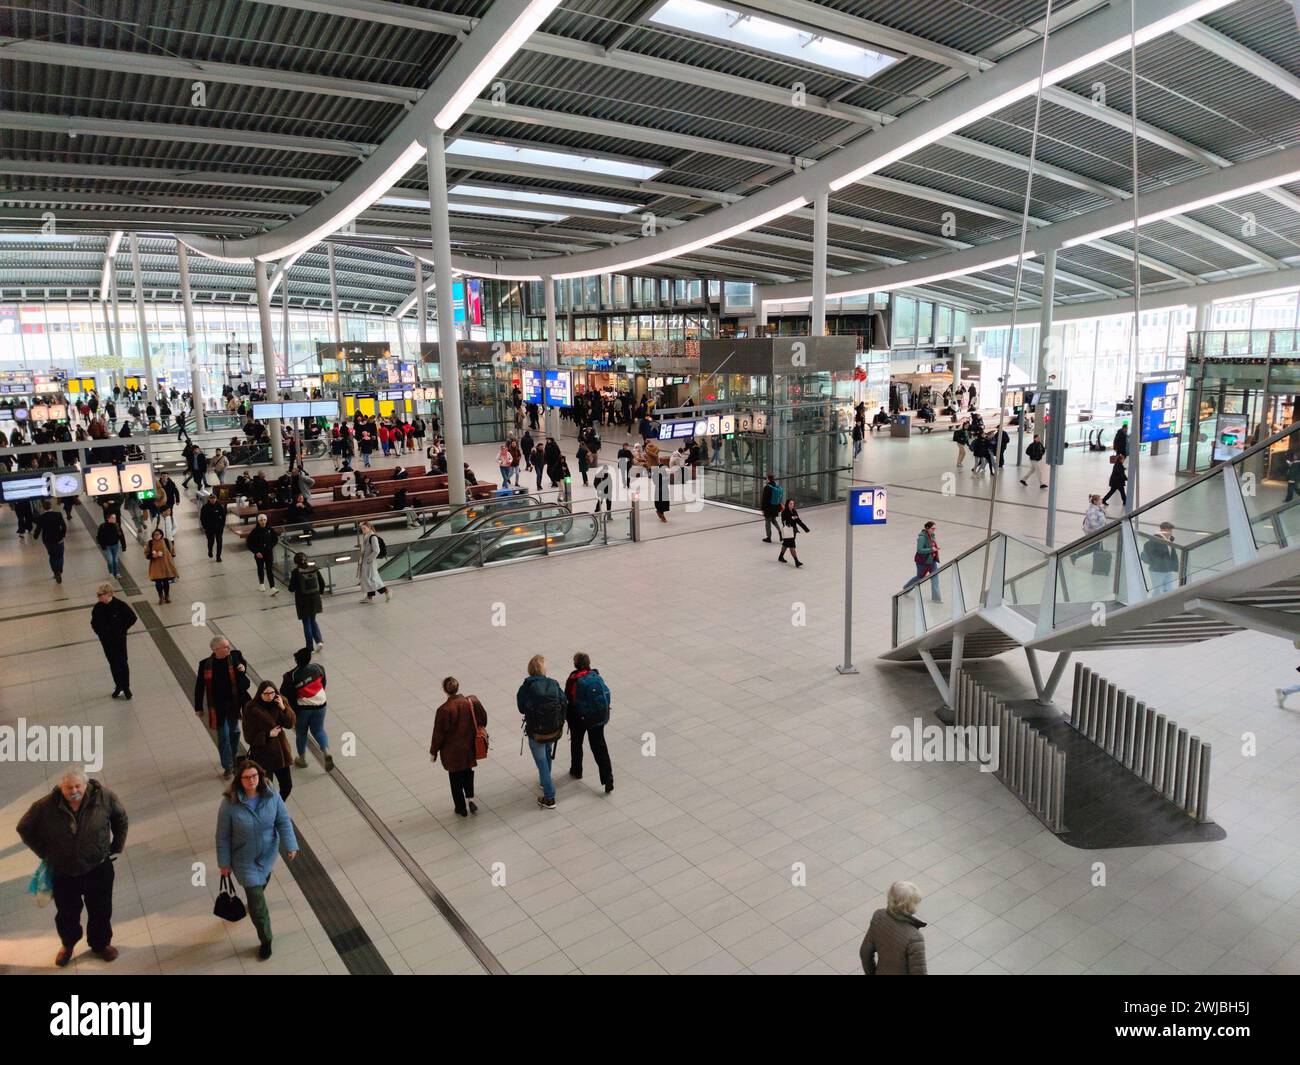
553 459
77 830
773 495
212 519
111 618
52 530
169 495
588 697
1120 443
221 687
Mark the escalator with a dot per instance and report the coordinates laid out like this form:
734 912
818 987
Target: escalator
479 534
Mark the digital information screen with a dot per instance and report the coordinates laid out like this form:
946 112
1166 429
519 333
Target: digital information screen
559 388
1229 438
266 410
532 389
6 415
21 414
1162 403
324 408
295 410
13 489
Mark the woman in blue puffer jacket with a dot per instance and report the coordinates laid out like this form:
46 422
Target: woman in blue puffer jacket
251 824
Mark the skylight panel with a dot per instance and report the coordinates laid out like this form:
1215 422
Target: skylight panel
547 157
549 199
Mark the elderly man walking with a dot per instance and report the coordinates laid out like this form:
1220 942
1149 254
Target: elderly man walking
77 830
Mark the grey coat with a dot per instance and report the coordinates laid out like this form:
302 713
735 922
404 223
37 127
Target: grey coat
893 946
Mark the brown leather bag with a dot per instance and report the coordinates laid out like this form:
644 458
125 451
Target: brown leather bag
480 731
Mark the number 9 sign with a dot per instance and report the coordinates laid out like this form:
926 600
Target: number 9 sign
102 480
137 477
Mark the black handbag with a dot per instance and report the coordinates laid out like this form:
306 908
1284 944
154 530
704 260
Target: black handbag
229 906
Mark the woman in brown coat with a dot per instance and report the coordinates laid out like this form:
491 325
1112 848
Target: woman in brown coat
266 716
455 729
162 570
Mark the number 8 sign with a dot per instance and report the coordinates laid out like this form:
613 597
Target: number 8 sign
102 480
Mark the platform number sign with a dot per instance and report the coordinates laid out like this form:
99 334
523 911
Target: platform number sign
137 477
868 506
102 480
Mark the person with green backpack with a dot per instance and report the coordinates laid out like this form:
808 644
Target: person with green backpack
587 695
541 701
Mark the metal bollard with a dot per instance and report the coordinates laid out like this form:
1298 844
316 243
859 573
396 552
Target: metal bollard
1112 701
1203 785
1149 745
1080 686
1058 800
1171 740
1004 731
1022 758
1158 763
1126 733
1180 769
1040 762
1193 780
1049 784
1139 736
1097 710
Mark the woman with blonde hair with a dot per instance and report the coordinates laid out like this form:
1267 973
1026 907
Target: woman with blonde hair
541 701
893 945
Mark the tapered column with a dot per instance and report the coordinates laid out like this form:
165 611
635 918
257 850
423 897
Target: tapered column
117 318
820 211
151 382
284 321
421 304
552 359
268 357
191 337
449 361
334 298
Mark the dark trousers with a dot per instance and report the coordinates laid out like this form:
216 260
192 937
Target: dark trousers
95 889
265 572
55 551
214 540
284 777
115 652
462 788
599 751
1123 498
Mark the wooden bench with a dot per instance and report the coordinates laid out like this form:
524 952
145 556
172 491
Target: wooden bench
374 475
348 510
413 485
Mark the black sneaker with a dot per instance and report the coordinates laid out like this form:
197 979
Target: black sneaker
264 951
767 539
473 806
126 693
576 776
609 788
462 813
545 803
116 693
1024 482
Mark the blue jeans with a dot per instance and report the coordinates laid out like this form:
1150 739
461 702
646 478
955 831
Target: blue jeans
311 632
365 459
111 554
311 719
922 570
505 476
542 756
227 741
857 448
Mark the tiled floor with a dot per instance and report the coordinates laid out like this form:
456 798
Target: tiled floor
758 817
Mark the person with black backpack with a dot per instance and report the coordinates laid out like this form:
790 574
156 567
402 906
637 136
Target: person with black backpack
541 702
587 696
373 549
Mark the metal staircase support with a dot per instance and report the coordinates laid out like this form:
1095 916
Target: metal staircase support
1273 622
1239 534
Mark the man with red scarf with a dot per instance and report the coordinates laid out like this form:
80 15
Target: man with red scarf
221 687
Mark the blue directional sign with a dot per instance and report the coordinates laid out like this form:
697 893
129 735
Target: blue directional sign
533 386
867 506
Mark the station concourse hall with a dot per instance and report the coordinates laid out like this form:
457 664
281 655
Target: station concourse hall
844 521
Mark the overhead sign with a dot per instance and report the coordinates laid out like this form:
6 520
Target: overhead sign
532 389
867 506
559 388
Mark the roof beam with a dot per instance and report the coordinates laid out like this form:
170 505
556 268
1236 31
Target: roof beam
74 55
1224 240
42 168
1239 55
108 199
163 131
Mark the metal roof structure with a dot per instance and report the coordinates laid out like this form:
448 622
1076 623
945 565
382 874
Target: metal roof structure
224 122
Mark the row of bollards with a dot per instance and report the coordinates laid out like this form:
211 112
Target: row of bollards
1143 741
1032 767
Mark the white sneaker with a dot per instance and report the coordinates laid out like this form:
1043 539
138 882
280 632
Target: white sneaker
261 587
1281 697
275 591
320 647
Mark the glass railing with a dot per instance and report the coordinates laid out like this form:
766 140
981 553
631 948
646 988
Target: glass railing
1199 530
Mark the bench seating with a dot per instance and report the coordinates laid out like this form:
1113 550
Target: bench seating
374 475
414 485
347 510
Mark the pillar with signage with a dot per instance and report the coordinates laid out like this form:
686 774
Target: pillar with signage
867 506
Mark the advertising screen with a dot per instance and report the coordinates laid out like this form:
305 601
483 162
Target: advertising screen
296 410
266 410
559 388
13 489
475 301
1161 407
102 480
137 477
532 386
1229 438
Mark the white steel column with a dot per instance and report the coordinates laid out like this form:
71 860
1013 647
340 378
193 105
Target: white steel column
820 212
191 336
268 357
552 359
151 382
284 325
421 305
112 354
449 362
334 300
1045 317
117 318
401 339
